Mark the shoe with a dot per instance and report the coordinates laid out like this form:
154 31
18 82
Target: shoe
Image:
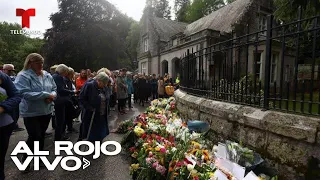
73 130
47 134
18 129
76 120
65 138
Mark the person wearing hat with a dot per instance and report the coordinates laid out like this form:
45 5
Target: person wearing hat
10 71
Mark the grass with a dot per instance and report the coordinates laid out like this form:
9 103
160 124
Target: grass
305 105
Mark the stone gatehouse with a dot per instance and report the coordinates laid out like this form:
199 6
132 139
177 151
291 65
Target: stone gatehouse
163 42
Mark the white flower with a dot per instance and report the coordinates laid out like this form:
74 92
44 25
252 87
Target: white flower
145 144
215 148
195 135
190 167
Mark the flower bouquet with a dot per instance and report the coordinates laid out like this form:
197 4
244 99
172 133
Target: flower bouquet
163 147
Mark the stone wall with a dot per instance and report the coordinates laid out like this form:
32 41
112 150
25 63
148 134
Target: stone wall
289 143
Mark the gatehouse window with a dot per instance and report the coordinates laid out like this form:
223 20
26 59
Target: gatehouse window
146 44
263 24
144 68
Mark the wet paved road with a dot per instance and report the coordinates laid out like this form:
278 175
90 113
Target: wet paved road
105 167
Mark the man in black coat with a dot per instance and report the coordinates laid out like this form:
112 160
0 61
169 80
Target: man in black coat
154 87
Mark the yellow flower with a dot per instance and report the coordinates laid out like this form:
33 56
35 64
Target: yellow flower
138 131
211 174
134 155
149 149
139 124
134 166
195 144
157 149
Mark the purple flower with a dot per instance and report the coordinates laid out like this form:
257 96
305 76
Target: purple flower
161 169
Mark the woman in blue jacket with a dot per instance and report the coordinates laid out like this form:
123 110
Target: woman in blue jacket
38 90
7 116
93 99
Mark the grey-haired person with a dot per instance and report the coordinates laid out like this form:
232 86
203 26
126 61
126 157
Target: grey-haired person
93 99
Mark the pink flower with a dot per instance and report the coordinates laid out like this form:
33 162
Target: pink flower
132 149
196 178
144 135
148 160
150 154
158 138
179 164
161 170
155 164
163 150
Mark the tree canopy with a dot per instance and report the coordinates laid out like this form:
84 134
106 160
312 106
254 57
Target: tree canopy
87 34
190 11
181 9
14 48
158 8
132 41
287 11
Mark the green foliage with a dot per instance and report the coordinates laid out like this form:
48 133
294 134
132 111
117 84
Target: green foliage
158 8
181 9
163 10
245 89
87 34
287 11
3 97
200 8
14 48
187 11
132 41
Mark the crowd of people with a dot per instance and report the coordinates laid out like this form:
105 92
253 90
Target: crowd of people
63 96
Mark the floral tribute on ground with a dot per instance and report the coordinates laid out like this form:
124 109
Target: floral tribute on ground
162 147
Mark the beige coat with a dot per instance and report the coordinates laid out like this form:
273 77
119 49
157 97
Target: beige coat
160 87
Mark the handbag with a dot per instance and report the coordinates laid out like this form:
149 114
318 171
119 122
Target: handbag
75 108
169 90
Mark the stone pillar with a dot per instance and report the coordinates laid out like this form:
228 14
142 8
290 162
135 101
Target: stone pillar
170 69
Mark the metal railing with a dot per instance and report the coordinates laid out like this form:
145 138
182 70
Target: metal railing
276 68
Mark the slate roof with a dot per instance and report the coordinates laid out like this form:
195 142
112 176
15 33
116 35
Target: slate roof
167 28
221 20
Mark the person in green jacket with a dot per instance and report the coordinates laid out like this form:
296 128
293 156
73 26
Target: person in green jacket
177 82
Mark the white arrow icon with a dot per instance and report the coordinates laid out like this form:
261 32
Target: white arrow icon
86 163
